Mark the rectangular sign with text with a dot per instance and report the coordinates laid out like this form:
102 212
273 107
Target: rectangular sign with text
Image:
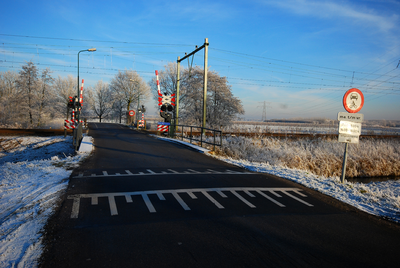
357 118
350 128
348 138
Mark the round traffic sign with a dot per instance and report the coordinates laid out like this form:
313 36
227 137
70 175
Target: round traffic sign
353 100
131 113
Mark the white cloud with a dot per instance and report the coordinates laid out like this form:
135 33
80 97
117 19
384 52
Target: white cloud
367 16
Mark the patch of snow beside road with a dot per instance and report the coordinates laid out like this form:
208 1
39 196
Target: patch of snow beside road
34 172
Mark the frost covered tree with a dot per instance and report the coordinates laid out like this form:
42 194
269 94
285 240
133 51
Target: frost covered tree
222 106
27 84
45 97
8 98
118 109
129 87
64 88
101 99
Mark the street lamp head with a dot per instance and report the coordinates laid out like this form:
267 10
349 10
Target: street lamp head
91 49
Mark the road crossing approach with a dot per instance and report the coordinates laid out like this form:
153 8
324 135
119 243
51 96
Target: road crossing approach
138 201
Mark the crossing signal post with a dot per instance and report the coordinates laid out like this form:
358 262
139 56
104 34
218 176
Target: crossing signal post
141 123
166 103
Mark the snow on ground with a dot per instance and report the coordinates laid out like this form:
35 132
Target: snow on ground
34 172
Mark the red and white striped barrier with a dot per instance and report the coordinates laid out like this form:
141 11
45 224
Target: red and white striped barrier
163 127
81 96
141 122
69 124
159 91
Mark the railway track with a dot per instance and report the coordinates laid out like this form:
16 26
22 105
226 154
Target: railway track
57 132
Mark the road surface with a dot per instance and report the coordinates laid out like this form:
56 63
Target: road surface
143 202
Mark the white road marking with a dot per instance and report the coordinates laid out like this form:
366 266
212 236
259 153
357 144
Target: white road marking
242 199
222 194
148 203
212 200
180 200
191 192
75 208
113 206
171 171
192 195
270 199
128 198
249 194
298 199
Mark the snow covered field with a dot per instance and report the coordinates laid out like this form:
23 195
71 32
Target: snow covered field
34 173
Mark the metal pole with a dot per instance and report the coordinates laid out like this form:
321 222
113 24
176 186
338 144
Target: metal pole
344 163
205 84
214 140
201 136
177 92
77 94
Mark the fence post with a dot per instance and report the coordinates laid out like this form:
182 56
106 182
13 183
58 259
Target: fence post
214 140
201 137
191 128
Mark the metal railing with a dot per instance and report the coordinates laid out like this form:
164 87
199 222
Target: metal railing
190 135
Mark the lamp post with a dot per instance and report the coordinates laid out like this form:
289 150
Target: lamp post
78 131
77 94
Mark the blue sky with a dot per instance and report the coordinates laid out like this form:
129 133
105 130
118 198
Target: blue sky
297 56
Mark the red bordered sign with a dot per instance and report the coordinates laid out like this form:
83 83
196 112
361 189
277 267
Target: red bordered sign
131 113
353 100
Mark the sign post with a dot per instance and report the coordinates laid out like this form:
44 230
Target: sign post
350 123
131 114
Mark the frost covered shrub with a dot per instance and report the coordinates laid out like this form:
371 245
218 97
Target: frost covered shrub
320 156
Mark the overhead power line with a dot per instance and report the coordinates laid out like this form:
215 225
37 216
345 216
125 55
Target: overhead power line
91 40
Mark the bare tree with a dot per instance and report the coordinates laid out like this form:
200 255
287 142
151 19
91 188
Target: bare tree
129 87
45 95
118 109
222 106
64 88
102 102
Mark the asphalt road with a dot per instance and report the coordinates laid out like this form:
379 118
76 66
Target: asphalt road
143 202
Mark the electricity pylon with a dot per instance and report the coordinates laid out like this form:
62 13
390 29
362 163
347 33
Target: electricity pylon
264 112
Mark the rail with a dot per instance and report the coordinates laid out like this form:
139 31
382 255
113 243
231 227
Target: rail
191 134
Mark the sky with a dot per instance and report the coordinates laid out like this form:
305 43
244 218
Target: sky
284 59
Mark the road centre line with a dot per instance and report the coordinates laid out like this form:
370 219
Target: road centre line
191 192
